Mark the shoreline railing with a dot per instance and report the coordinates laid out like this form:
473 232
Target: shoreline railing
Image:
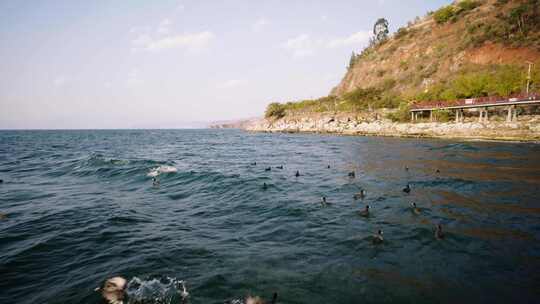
475 102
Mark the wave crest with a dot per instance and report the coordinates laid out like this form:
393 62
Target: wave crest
161 169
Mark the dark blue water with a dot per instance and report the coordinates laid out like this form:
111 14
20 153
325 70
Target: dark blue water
80 206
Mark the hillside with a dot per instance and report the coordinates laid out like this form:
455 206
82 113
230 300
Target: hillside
467 49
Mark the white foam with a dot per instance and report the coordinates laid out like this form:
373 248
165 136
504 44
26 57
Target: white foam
158 290
161 169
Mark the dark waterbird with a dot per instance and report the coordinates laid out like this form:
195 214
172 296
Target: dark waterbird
265 186
407 189
323 201
297 174
328 167
439 234
254 163
365 212
1 181
280 167
268 169
378 237
155 181
352 174
360 195
438 171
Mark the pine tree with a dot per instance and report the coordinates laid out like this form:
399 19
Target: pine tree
352 61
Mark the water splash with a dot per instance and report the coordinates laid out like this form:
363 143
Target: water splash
161 169
159 290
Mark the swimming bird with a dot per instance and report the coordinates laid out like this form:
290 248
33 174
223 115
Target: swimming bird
415 210
407 189
328 167
155 181
280 167
378 238
352 174
360 195
438 232
406 168
297 174
265 186
254 300
254 163
258 300
323 201
438 171
113 290
365 212
268 169
1 181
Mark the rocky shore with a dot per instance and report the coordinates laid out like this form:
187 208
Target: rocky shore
527 128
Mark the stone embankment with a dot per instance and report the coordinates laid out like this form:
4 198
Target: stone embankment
527 128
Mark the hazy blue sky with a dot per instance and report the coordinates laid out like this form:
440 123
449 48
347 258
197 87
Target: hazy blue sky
162 64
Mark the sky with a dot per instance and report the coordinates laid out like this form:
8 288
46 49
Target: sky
171 64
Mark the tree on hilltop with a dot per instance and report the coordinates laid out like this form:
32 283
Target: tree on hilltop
380 30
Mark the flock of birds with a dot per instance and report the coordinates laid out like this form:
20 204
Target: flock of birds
377 238
113 289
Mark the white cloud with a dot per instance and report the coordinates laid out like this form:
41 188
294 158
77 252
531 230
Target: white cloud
189 41
164 27
355 39
324 18
301 45
259 24
304 45
133 78
60 81
232 83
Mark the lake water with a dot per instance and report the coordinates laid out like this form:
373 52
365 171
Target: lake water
80 206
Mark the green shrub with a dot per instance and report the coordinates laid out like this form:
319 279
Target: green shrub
442 115
388 84
444 14
360 99
404 65
388 101
275 110
467 5
506 80
402 114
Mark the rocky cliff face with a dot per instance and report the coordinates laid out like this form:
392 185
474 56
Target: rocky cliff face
426 52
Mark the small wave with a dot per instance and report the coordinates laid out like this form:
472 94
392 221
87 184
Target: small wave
162 290
161 169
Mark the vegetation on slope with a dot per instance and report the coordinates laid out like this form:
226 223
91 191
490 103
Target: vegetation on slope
471 48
